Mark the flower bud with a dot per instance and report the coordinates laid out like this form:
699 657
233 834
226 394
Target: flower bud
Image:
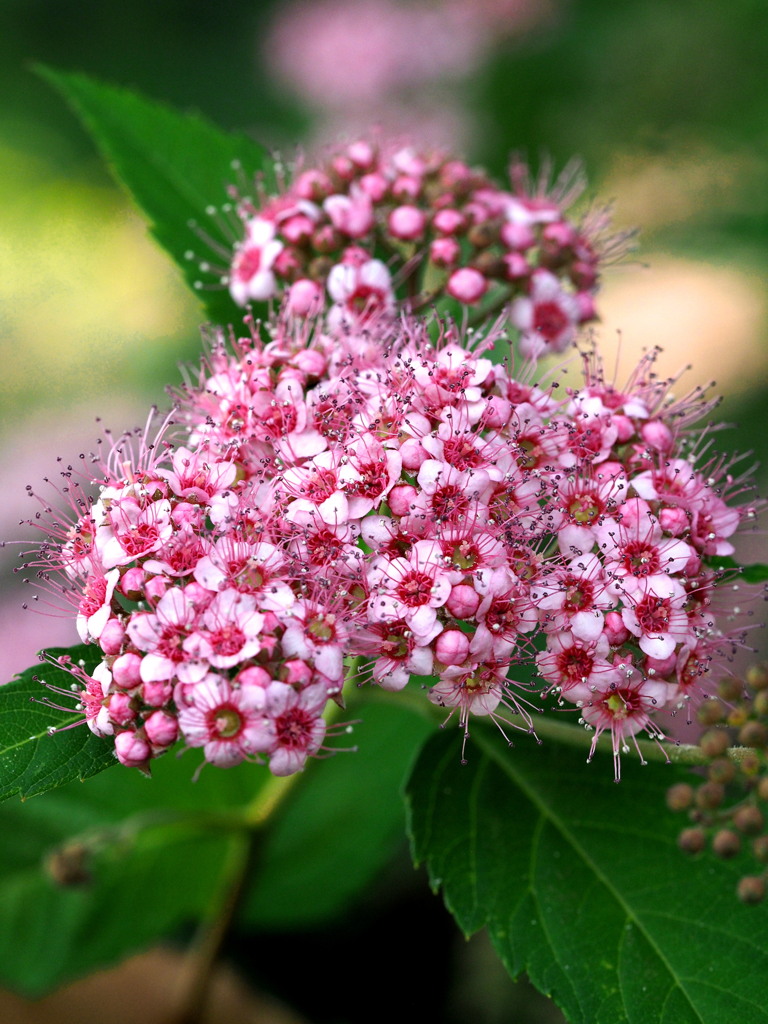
679 797
161 728
516 266
156 693
749 820
407 223
692 840
111 637
121 708
132 584
657 435
467 285
518 236
444 252
463 601
448 222
674 521
305 297
726 844
126 671
401 498
132 750
452 647
374 185
751 889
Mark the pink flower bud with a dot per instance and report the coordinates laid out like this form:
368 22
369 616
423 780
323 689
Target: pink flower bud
344 167
296 672
615 631
126 671
413 454
406 187
255 675
448 222
452 647
455 173
156 693
311 362
625 428
132 750
161 728
518 236
663 668
463 601
674 521
517 266
407 222
362 154
467 285
297 229
444 252
657 435
111 637
155 587
305 297
132 584
560 235
313 185
400 499
374 185
121 708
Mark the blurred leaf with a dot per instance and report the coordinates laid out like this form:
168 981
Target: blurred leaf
33 761
580 884
340 827
175 166
154 849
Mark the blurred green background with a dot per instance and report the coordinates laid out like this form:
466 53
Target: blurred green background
666 104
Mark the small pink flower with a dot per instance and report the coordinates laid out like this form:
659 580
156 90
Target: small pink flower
251 276
548 317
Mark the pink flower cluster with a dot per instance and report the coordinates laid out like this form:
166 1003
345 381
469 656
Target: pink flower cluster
385 491
373 231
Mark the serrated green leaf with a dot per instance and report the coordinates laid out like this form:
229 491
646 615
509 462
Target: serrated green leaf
341 825
175 166
31 759
580 884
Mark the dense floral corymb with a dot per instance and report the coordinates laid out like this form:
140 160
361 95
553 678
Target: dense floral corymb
375 229
383 490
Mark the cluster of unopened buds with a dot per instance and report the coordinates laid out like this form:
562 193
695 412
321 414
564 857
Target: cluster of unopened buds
355 491
728 808
375 228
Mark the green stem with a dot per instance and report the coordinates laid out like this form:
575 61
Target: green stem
206 945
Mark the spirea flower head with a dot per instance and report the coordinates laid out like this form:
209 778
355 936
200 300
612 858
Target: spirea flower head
383 490
373 229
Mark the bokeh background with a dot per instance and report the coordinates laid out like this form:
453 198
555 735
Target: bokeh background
666 104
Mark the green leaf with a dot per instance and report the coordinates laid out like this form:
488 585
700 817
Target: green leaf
156 852
31 759
341 825
175 166
580 883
